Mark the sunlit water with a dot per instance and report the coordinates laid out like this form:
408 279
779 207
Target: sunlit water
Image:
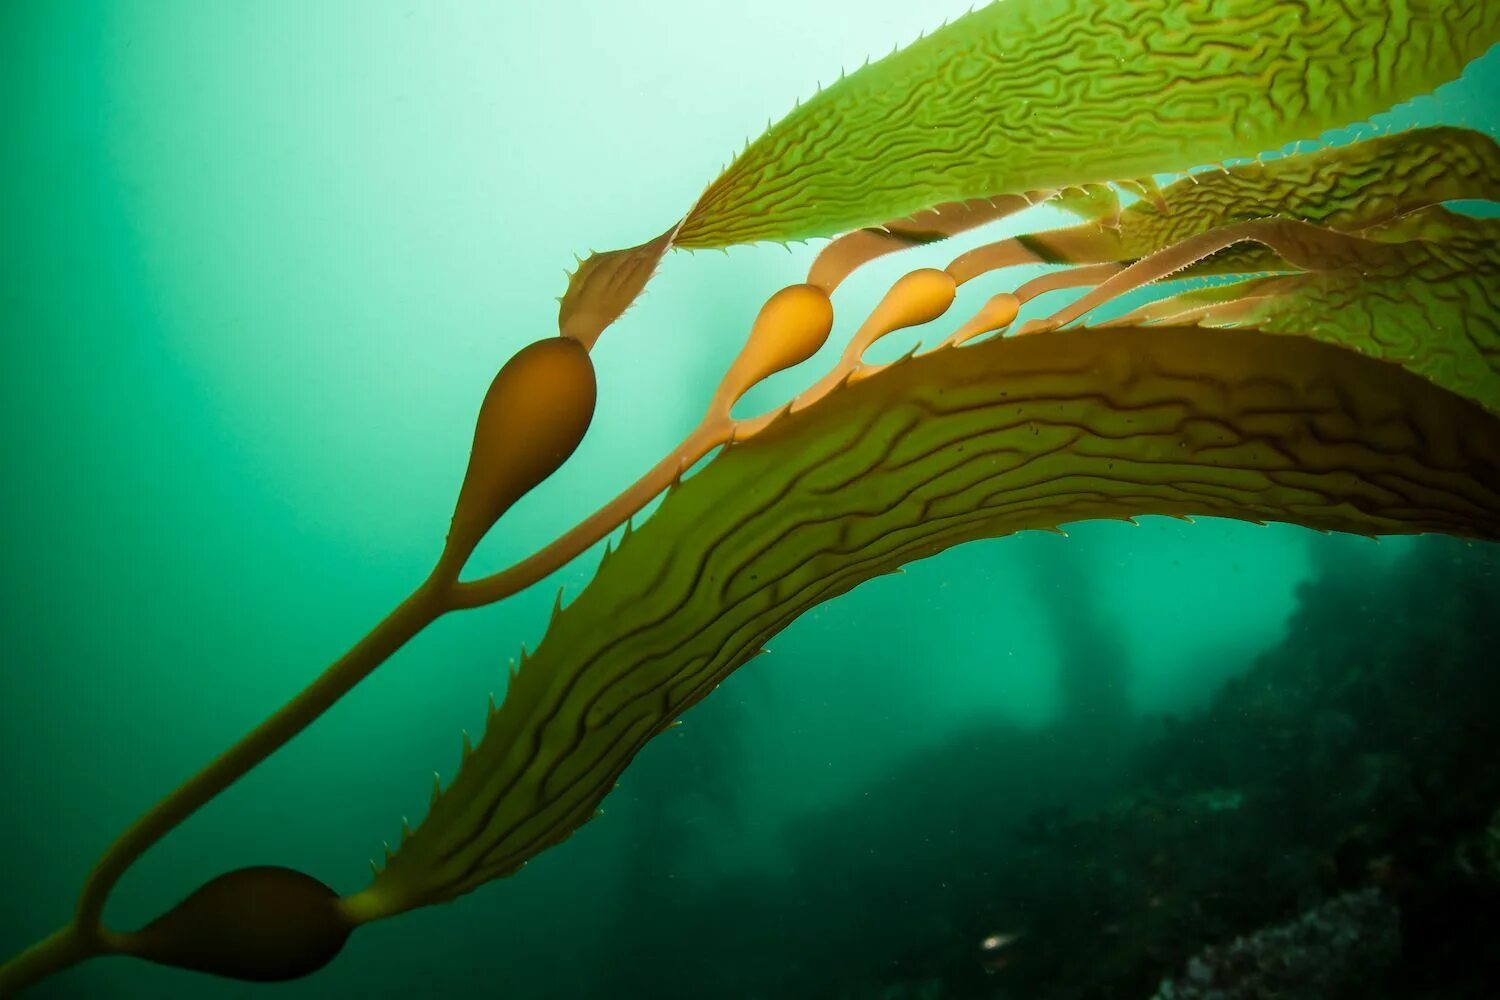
261 262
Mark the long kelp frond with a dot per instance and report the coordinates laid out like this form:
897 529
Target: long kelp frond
1044 96
1005 435
1349 209
1026 95
1431 305
1347 188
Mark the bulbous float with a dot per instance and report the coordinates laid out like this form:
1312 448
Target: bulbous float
260 924
533 417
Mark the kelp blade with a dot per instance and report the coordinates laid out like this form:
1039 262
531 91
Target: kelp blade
1430 304
1025 95
1344 188
1043 95
959 444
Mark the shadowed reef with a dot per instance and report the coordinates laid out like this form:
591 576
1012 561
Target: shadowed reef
1351 757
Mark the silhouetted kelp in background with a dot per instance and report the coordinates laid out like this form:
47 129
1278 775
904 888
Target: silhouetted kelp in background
1351 755
1356 391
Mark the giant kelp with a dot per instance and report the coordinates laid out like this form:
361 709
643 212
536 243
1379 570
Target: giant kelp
961 443
1345 379
1017 95
1350 188
1011 101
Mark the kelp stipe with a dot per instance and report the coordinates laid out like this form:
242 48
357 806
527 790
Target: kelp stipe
270 923
1346 381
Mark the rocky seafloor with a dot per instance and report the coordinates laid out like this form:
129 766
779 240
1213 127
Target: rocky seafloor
1327 826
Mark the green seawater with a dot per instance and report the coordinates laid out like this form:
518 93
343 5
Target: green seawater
259 263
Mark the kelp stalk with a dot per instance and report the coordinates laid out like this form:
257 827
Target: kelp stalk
85 936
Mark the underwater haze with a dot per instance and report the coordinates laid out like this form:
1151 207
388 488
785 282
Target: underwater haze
260 264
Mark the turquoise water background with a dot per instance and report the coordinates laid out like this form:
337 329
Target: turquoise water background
260 263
